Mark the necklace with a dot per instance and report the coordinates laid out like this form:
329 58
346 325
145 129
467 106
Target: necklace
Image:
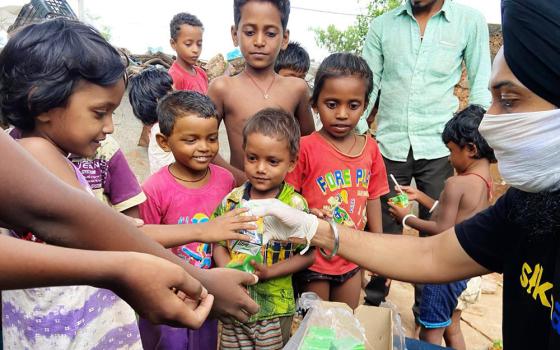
263 92
186 180
338 149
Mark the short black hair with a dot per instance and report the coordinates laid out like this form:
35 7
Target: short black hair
180 104
145 90
294 57
42 64
462 130
282 5
342 65
182 18
277 123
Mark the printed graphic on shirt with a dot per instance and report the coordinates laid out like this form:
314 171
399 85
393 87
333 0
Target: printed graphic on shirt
197 254
338 180
541 291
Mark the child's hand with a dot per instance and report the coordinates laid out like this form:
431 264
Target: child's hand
321 213
163 293
227 226
410 191
261 270
398 213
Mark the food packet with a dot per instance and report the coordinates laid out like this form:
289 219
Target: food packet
248 251
400 200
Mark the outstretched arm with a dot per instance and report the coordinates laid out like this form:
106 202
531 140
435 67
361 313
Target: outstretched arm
34 199
303 112
440 258
30 265
446 217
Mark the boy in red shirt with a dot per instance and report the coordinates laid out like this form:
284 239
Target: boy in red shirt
186 39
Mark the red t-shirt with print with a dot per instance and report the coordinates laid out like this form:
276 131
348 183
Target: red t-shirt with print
183 80
340 183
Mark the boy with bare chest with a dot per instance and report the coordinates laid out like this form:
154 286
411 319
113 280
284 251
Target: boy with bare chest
260 32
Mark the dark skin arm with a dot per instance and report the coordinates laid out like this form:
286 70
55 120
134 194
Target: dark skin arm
441 256
303 111
449 202
31 265
285 267
32 199
121 236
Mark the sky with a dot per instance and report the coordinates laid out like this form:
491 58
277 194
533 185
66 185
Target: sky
139 24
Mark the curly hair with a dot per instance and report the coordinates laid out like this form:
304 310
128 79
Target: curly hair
182 18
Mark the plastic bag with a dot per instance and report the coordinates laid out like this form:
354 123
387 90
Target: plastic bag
323 327
398 329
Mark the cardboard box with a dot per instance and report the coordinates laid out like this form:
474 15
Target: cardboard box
377 321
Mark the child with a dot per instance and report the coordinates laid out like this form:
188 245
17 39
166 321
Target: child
260 32
185 192
270 143
145 90
186 40
463 196
292 61
339 171
63 109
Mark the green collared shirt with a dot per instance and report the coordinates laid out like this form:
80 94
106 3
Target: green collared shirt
417 76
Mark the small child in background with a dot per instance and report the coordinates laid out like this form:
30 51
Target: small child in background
293 61
185 192
186 40
260 30
145 90
339 171
464 195
270 143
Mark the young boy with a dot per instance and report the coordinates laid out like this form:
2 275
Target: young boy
463 196
145 90
292 61
186 40
185 192
260 32
271 144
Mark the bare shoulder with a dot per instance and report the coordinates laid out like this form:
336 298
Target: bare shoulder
296 85
219 85
456 184
50 157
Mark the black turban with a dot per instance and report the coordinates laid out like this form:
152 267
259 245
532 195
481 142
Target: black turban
531 30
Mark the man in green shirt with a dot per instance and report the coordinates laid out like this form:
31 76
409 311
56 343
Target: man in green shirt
416 53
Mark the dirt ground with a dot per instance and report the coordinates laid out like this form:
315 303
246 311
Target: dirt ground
481 323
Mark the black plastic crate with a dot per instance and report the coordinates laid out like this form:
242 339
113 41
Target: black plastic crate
38 10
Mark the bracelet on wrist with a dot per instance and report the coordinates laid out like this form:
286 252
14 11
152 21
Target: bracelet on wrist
404 220
336 242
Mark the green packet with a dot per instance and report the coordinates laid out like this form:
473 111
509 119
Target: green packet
242 262
400 200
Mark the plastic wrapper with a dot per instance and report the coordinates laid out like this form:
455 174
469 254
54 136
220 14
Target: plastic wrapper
332 328
246 252
398 329
400 200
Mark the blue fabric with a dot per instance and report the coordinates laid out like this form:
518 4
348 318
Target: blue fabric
438 303
413 344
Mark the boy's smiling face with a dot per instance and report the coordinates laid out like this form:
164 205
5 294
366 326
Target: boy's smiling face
259 34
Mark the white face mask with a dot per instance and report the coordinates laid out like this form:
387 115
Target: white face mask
527 146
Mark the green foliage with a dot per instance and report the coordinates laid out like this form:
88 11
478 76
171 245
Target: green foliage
352 39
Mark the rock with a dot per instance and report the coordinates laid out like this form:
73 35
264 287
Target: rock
215 66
